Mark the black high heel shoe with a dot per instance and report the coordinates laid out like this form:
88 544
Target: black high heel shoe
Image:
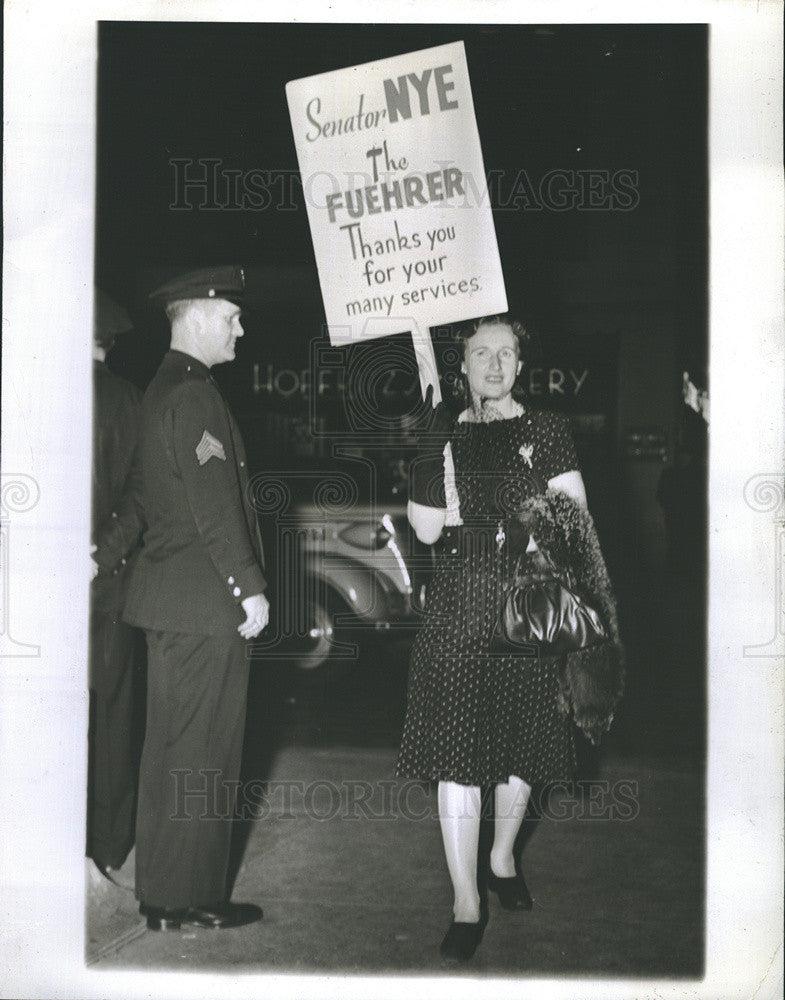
461 940
513 892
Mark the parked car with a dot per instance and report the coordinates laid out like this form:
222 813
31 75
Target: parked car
348 565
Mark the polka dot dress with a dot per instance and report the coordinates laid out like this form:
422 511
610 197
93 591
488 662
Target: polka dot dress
472 716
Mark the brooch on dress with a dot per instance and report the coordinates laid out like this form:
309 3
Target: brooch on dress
526 451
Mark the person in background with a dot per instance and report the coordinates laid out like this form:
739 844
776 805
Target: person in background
116 654
197 590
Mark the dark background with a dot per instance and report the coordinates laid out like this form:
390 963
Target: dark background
567 97
621 293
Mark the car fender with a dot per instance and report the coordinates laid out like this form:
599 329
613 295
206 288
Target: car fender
363 590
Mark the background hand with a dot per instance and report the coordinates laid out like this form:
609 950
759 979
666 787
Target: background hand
257 610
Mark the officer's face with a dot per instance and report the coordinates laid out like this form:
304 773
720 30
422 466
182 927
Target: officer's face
221 328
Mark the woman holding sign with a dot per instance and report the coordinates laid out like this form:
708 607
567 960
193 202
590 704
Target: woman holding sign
486 488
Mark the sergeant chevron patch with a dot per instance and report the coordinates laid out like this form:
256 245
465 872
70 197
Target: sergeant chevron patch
209 447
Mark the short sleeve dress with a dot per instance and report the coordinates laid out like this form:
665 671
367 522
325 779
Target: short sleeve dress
476 717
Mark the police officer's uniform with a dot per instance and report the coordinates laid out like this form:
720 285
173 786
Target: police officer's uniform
115 656
202 556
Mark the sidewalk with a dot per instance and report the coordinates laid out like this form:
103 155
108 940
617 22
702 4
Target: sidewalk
616 872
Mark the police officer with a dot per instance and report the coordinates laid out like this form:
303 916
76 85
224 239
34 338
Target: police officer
116 660
198 591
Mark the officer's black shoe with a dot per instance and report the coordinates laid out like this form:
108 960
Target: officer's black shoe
222 916
218 916
161 919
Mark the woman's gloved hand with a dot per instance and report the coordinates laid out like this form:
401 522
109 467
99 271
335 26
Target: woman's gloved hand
426 474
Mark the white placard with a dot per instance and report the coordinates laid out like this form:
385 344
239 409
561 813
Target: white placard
396 195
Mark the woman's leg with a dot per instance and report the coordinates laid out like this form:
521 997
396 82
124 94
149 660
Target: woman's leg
510 800
459 817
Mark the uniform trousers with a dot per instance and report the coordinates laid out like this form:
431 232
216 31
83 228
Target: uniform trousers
113 747
197 691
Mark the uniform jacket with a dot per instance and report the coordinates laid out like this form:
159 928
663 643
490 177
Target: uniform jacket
202 553
117 517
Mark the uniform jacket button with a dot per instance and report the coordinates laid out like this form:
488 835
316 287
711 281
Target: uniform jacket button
236 591
230 581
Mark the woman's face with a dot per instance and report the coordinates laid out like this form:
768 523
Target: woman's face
491 362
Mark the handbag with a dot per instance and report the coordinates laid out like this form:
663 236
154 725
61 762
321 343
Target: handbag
542 614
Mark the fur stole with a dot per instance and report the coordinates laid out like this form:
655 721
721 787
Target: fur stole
592 679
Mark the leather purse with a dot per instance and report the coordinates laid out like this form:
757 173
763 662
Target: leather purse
541 614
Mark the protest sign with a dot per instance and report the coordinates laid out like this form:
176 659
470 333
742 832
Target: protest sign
396 196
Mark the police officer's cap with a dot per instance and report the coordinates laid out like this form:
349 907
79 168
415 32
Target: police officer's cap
109 319
209 283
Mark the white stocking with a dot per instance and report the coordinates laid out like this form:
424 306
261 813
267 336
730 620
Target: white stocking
510 800
459 817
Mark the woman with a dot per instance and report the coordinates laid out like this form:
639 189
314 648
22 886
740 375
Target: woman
475 718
